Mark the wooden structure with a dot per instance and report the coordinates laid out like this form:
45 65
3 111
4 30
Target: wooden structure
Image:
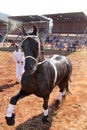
41 22
68 23
3 27
3 23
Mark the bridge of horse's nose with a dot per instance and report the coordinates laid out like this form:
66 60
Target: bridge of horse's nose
30 65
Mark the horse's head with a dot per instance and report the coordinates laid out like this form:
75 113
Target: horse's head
31 47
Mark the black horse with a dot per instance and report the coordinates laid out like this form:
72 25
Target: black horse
40 77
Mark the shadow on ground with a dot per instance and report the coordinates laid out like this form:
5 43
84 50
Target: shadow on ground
6 86
46 51
36 123
60 52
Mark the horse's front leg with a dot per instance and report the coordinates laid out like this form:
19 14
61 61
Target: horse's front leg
45 107
10 117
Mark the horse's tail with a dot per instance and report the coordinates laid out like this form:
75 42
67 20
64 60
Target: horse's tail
68 90
68 73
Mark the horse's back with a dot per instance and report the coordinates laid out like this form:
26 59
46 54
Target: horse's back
62 64
60 58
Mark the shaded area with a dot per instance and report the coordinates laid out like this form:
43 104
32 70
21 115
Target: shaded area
60 52
6 86
36 123
9 49
46 51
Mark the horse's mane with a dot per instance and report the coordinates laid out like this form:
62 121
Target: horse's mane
24 31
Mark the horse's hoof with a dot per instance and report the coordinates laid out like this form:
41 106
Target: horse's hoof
44 119
57 103
10 120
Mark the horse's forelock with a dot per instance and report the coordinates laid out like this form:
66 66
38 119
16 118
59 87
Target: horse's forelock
26 40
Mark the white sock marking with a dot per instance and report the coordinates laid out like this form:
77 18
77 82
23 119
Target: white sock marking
60 96
9 110
46 112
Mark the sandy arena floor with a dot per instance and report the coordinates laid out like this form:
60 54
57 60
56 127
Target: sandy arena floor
72 113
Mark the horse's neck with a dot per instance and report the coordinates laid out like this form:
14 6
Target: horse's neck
41 57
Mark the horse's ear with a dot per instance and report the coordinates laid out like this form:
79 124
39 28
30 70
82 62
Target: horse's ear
24 31
35 30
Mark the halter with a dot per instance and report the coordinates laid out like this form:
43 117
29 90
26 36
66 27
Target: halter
31 57
35 59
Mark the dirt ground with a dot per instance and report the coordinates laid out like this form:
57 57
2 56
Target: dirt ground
72 113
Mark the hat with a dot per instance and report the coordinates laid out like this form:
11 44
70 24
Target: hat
16 44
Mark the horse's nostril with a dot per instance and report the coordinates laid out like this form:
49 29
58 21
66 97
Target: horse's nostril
28 67
31 68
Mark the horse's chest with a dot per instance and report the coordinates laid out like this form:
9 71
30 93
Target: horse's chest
30 83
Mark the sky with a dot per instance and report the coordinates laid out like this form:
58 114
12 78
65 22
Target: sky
41 7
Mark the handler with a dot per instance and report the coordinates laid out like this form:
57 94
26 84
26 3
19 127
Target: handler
18 56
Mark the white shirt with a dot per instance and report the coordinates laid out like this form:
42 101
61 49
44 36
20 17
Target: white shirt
18 56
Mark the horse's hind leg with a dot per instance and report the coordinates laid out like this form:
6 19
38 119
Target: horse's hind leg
9 114
45 107
58 100
62 92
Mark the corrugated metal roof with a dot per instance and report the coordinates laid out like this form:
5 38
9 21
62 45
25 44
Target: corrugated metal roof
3 17
68 16
30 18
